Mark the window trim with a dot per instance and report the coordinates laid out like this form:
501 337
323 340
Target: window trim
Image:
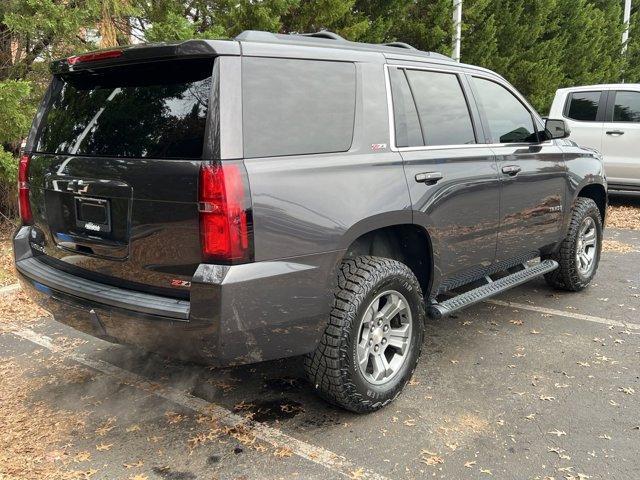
603 104
480 130
403 73
611 105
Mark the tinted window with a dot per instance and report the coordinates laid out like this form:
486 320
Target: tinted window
293 107
154 110
444 114
509 120
627 107
407 125
584 106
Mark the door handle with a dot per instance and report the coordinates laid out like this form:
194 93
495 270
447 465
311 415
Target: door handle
511 170
430 178
615 133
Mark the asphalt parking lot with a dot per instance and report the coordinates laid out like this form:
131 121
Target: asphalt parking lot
534 384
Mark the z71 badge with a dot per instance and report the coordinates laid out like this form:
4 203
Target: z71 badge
180 283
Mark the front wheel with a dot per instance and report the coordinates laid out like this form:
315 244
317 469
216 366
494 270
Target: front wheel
579 252
372 343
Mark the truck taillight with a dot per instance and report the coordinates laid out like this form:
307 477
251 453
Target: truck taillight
224 203
23 190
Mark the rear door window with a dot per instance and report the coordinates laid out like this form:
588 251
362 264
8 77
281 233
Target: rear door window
407 124
153 110
509 120
442 108
626 107
583 106
297 107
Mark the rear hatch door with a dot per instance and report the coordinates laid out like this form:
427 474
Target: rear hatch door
114 172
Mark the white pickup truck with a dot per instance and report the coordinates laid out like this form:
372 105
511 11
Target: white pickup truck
607 118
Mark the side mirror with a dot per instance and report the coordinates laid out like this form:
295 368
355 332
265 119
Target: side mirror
556 129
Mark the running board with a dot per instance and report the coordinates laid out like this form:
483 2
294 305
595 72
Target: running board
439 310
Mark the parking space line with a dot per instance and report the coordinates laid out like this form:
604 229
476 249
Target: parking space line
563 313
273 436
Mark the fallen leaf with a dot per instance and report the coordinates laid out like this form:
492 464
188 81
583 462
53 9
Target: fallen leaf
139 476
82 457
283 452
104 447
174 417
432 460
557 433
106 427
359 473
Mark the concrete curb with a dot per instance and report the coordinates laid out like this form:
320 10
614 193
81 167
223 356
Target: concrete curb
9 290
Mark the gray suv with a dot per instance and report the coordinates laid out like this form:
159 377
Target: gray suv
280 195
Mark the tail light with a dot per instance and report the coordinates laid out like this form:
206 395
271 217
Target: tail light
23 190
224 204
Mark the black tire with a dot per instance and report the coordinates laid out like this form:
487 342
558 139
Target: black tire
333 367
569 276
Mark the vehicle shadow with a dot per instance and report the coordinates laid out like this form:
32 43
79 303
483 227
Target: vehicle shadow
270 392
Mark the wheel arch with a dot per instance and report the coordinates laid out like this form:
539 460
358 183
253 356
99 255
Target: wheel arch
405 242
598 193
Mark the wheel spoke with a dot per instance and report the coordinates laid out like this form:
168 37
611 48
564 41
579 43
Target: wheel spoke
368 316
585 260
589 238
380 367
363 354
398 343
394 306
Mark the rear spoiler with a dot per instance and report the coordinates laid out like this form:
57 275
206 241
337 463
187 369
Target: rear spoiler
146 52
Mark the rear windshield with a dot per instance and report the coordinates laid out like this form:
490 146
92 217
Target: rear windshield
155 110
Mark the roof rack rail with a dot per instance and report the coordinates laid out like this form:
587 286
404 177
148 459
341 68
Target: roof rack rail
322 34
399 45
336 41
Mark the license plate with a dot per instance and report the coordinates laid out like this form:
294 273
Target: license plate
93 214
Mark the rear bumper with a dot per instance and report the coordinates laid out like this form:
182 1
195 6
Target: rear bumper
236 314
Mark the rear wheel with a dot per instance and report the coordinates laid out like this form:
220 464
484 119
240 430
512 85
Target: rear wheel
373 340
579 252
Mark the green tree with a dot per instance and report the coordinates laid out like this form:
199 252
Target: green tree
632 60
524 46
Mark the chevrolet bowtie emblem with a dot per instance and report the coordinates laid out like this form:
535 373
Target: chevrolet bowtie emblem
77 186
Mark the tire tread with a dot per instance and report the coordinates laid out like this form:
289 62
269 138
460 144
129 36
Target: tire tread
565 277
